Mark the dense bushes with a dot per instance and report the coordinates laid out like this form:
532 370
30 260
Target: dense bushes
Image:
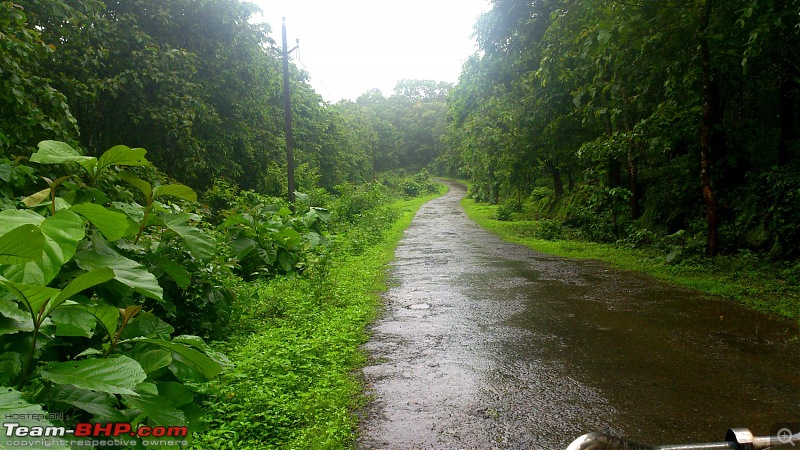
110 271
768 217
95 267
295 340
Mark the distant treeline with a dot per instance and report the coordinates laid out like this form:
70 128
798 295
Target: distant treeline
200 87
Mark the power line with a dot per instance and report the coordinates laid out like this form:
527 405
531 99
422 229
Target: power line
313 74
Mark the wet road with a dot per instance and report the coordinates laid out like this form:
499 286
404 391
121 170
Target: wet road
487 344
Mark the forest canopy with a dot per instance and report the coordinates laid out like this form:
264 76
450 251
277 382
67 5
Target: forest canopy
197 84
615 118
662 116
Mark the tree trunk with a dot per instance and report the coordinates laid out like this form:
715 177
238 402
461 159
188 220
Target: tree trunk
614 172
570 180
558 184
631 165
710 115
786 104
633 183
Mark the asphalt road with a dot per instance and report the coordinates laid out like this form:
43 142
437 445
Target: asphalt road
487 344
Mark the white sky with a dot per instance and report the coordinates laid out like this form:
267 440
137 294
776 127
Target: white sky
351 46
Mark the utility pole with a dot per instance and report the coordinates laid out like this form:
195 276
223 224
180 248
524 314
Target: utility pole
287 115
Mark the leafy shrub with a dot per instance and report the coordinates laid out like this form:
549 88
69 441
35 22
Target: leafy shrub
638 238
550 230
411 188
504 212
427 186
355 200
78 268
603 213
767 217
269 240
682 245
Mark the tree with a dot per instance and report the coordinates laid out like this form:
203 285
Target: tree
33 109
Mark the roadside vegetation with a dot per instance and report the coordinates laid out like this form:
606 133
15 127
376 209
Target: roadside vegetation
295 342
127 300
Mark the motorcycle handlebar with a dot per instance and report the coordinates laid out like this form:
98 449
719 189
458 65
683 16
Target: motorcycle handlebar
735 439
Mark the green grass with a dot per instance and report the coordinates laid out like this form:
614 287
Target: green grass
296 351
758 284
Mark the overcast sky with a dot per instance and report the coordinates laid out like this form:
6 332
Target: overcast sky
351 46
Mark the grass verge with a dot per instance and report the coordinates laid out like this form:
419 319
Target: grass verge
296 350
758 284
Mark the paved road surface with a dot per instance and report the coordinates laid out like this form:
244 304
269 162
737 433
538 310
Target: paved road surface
486 344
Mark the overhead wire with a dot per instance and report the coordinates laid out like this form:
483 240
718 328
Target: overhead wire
312 73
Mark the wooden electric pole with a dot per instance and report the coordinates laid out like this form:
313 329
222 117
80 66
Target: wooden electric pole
287 116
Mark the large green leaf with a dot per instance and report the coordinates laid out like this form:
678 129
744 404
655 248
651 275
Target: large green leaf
21 245
12 318
199 343
118 375
200 244
99 404
242 246
31 296
106 315
126 271
174 269
157 409
73 322
112 224
14 218
152 360
122 155
62 233
119 155
12 326
188 364
138 183
79 284
56 152
148 325
288 238
175 190
175 393
12 404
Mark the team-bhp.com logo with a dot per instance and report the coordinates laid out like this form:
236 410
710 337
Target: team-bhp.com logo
112 433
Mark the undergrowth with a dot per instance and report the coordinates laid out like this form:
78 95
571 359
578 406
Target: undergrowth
295 346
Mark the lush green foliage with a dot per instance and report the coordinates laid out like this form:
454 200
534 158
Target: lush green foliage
295 346
86 271
101 267
408 125
640 116
111 271
32 108
193 81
